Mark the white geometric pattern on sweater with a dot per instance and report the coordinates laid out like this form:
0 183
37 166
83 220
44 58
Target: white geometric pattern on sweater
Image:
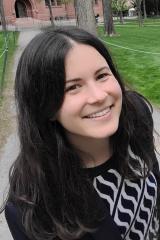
131 203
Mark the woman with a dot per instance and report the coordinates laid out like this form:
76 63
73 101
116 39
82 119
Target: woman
84 170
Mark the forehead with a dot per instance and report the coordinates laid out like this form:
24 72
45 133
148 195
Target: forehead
82 59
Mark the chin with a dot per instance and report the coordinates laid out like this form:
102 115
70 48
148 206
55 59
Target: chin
104 133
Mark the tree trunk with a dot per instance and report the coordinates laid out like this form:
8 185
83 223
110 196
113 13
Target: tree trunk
3 20
156 7
49 4
65 4
85 15
139 13
144 9
121 17
108 18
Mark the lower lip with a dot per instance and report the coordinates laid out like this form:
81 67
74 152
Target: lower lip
107 116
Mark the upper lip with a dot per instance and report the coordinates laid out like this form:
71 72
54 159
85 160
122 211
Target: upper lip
98 111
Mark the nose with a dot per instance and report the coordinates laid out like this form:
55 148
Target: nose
96 94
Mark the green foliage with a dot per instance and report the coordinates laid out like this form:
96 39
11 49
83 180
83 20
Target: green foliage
119 5
140 70
135 2
66 1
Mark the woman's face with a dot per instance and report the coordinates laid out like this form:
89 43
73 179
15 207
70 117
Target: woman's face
93 97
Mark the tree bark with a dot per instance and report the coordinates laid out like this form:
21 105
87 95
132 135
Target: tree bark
156 7
65 4
85 15
144 9
3 20
121 17
49 4
108 18
139 12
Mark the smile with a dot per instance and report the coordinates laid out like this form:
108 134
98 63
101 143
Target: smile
100 113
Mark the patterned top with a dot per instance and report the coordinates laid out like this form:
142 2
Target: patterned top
131 203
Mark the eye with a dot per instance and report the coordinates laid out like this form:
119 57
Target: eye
102 76
72 87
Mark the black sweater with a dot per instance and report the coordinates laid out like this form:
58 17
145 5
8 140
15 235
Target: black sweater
130 206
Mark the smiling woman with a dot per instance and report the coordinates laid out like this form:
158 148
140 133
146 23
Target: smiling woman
93 98
87 167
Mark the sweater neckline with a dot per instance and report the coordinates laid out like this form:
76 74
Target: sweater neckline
98 170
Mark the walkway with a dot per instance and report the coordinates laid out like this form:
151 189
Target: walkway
156 117
28 23
10 150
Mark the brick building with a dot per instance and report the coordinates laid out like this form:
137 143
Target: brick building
38 9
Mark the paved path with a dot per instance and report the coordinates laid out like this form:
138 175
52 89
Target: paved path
10 149
156 117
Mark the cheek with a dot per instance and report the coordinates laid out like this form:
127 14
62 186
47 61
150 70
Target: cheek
71 107
116 89
119 97
63 114
119 92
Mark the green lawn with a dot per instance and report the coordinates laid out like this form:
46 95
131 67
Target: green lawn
141 68
11 42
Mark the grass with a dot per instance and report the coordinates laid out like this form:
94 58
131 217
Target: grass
140 70
7 119
11 42
146 21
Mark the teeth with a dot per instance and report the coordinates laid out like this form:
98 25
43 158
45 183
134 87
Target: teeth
99 114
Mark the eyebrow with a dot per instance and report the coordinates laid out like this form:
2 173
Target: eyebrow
97 71
102 68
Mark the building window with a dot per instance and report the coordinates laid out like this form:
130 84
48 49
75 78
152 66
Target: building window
53 2
59 2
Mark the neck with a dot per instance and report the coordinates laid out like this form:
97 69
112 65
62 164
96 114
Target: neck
93 152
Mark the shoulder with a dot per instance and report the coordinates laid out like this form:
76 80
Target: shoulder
14 220
11 211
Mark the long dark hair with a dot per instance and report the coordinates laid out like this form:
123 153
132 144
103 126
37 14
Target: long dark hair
47 184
